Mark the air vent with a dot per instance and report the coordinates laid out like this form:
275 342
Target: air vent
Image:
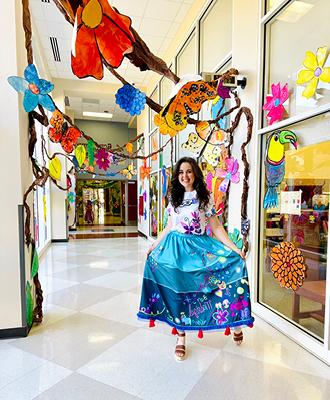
45 1
56 51
66 101
91 101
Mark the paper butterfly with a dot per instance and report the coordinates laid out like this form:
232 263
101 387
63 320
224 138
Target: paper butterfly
129 171
245 313
187 101
62 133
298 236
208 140
300 219
144 171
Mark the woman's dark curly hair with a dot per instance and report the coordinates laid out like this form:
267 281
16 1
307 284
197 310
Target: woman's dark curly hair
177 190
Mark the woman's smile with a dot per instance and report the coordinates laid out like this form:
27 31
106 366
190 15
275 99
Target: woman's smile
186 176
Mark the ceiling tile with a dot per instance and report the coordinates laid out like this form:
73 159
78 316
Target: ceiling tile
173 30
65 56
36 10
183 11
45 42
51 65
58 30
166 44
41 27
63 66
49 54
53 73
154 42
162 10
52 13
136 23
151 25
131 8
64 44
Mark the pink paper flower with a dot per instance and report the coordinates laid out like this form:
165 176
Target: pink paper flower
230 174
102 159
274 103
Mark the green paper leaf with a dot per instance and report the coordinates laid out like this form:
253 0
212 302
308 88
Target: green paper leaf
90 149
239 244
29 304
35 265
55 168
80 154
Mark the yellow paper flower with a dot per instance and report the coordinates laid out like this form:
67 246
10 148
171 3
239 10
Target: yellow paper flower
164 129
314 72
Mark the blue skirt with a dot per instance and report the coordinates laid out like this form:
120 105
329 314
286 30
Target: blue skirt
193 282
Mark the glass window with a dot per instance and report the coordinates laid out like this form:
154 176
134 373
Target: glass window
301 218
154 228
152 113
216 34
154 146
186 59
289 36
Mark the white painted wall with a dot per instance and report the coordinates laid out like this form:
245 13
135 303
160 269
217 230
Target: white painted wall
14 163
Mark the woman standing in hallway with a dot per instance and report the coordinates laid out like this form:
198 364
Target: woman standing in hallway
89 215
192 281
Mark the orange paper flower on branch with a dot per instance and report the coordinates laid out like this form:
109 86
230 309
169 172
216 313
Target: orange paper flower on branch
288 265
100 33
144 171
129 147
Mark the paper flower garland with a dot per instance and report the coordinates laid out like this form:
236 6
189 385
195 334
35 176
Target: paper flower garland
35 90
231 174
288 265
314 72
100 33
130 99
62 133
274 103
102 159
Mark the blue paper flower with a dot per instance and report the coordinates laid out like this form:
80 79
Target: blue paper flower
71 197
34 89
131 99
111 174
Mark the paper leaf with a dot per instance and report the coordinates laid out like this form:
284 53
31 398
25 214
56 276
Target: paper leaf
80 153
29 304
90 149
55 168
35 264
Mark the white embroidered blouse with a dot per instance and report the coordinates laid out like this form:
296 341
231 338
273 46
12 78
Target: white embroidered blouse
188 218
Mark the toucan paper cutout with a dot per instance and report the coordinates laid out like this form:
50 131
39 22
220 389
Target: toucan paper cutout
35 90
288 265
275 164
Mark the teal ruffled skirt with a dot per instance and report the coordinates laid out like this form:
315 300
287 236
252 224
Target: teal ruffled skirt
194 282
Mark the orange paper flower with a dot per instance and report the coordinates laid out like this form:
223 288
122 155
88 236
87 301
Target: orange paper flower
288 265
100 33
129 147
144 171
164 129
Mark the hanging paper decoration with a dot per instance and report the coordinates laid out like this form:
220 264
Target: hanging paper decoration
101 33
130 99
116 159
188 101
102 159
89 167
29 304
80 153
35 90
231 174
144 171
234 237
110 157
216 106
213 184
288 265
274 103
71 197
209 138
166 175
275 164
245 226
90 149
144 196
62 133
129 171
314 71
164 129
223 91
129 147
44 207
155 148
55 168
35 264
298 236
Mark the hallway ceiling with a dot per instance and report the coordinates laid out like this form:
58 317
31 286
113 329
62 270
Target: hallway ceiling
156 21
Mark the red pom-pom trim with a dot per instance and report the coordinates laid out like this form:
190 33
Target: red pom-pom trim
227 331
174 331
151 323
200 334
250 325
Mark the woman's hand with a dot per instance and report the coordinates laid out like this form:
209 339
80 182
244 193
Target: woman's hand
149 250
240 253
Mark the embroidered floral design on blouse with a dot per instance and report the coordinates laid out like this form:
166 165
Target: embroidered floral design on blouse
193 225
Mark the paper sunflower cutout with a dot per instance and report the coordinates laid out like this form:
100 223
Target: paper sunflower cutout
102 159
314 72
61 133
130 99
288 265
274 103
100 32
230 174
35 90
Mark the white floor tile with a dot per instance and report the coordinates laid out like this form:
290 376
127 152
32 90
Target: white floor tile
18 391
118 280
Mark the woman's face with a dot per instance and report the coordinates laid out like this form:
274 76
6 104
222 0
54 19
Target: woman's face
186 176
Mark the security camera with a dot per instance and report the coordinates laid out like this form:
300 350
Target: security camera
231 82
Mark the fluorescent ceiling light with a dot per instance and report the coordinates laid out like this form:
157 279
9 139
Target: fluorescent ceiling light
294 12
96 114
